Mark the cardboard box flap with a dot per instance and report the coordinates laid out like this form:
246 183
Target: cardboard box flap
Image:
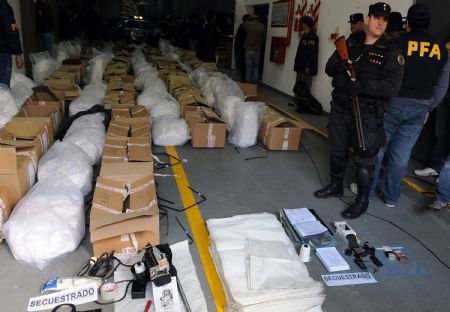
110 198
127 172
120 113
115 149
118 129
26 128
140 224
139 149
210 116
139 111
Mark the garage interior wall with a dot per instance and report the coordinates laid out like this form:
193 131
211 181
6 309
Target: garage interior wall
333 17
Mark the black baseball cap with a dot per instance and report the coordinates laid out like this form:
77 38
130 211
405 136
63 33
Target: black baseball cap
380 9
355 18
418 16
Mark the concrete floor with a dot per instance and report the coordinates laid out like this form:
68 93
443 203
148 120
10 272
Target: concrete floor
282 180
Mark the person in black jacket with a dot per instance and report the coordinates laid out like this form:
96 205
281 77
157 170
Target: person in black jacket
357 27
239 50
9 43
306 64
378 67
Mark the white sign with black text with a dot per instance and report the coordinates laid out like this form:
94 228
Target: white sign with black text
76 295
166 297
348 279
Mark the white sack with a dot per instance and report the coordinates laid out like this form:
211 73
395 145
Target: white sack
42 66
91 95
18 78
21 93
88 133
248 118
47 223
170 131
8 106
70 160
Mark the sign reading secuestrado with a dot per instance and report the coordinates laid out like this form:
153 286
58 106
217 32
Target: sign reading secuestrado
348 279
77 295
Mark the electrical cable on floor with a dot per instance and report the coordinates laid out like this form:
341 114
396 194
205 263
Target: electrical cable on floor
185 231
377 217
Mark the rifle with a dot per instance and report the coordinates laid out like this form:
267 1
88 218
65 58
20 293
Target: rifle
341 48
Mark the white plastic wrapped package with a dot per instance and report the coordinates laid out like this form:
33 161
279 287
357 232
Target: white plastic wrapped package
91 95
248 118
170 131
88 133
199 76
21 92
70 160
165 108
47 223
148 79
8 106
42 66
224 88
18 78
227 112
97 66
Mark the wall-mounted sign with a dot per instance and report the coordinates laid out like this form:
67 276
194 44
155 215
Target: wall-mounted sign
280 14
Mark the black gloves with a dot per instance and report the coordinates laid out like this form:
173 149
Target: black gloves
340 66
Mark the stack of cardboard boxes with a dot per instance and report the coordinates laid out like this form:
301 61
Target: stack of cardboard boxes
120 85
124 215
64 81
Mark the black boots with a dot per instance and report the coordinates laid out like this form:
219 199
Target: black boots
357 208
364 178
335 189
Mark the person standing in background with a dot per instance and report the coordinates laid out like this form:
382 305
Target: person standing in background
305 65
256 35
45 26
356 27
239 50
9 43
425 82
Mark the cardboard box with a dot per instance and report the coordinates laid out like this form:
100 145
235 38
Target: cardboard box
5 207
129 127
249 89
112 218
17 174
66 74
278 133
50 112
145 231
63 88
122 149
118 97
124 111
44 96
207 129
29 133
122 78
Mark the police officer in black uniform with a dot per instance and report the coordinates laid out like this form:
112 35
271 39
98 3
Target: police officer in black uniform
9 42
357 27
378 66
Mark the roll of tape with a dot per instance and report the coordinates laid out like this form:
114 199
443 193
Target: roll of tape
108 291
139 267
305 252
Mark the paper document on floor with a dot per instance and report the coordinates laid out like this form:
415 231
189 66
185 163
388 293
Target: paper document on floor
243 246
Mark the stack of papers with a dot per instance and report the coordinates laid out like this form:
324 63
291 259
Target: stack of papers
332 259
250 252
304 222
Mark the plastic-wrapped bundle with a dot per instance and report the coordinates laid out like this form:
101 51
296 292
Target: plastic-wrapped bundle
165 108
42 66
170 131
248 118
18 78
21 92
70 160
88 133
224 88
227 112
97 66
91 95
148 78
8 106
47 223
199 76
151 96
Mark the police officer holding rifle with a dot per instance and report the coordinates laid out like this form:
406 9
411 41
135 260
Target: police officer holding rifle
366 73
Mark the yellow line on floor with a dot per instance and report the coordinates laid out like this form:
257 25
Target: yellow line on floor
199 231
413 185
